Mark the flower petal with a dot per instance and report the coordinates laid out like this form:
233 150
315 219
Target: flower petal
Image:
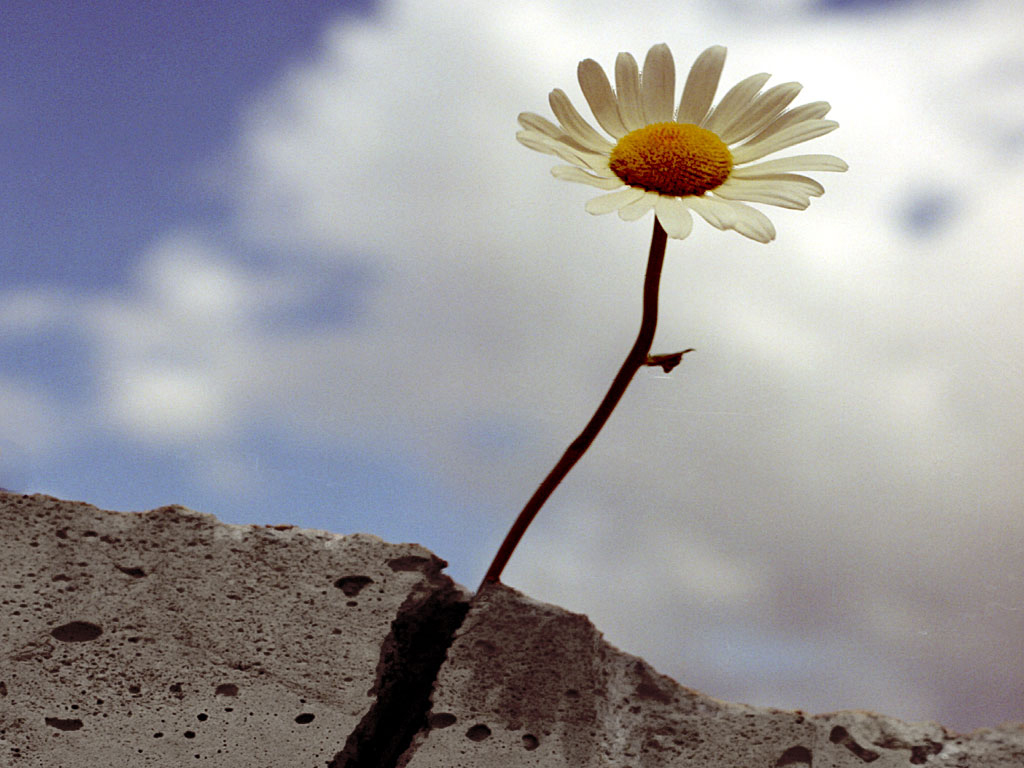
813 111
613 200
531 121
735 102
658 85
627 88
635 210
574 124
674 216
574 173
761 111
538 143
795 163
715 212
701 84
600 96
776 192
757 147
751 223
570 154
545 128
794 180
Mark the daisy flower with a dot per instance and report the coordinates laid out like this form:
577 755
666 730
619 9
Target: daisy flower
691 158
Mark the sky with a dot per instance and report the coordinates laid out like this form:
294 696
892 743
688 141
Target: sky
296 269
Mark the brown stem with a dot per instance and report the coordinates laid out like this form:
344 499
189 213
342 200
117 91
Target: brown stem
636 359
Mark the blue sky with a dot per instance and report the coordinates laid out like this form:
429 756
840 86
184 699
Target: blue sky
109 108
295 268
110 111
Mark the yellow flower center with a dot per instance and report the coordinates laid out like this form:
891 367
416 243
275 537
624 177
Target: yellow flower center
677 159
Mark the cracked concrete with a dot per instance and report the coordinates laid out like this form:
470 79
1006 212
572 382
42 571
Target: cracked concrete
167 638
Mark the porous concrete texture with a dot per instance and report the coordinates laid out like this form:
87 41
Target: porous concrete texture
167 638
528 684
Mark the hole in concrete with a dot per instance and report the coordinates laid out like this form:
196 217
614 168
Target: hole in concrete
409 563
840 735
530 742
352 585
798 755
442 720
189 734
305 717
77 632
486 646
137 573
64 725
920 754
478 732
650 687
226 689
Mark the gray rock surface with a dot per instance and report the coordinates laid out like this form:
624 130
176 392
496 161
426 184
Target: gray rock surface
167 638
529 684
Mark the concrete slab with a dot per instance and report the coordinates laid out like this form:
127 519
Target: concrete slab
168 638
531 685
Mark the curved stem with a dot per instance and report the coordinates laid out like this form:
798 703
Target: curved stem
637 358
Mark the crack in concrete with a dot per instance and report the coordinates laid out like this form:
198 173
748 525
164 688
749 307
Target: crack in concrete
411 657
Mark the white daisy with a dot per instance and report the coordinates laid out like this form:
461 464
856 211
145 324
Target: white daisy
691 158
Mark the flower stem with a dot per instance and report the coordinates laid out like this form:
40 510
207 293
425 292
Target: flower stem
638 357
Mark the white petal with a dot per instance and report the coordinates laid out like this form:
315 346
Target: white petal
574 124
544 128
770 193
717 213
634 210
537 143
600 96
566 152
701 84
795 163
751 223
813 111
674 216
734 103
572 173
531 121
761 111
789 180
613 200
658 85
787 137
627 88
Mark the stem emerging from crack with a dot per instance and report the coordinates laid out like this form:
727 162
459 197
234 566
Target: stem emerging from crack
638 357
